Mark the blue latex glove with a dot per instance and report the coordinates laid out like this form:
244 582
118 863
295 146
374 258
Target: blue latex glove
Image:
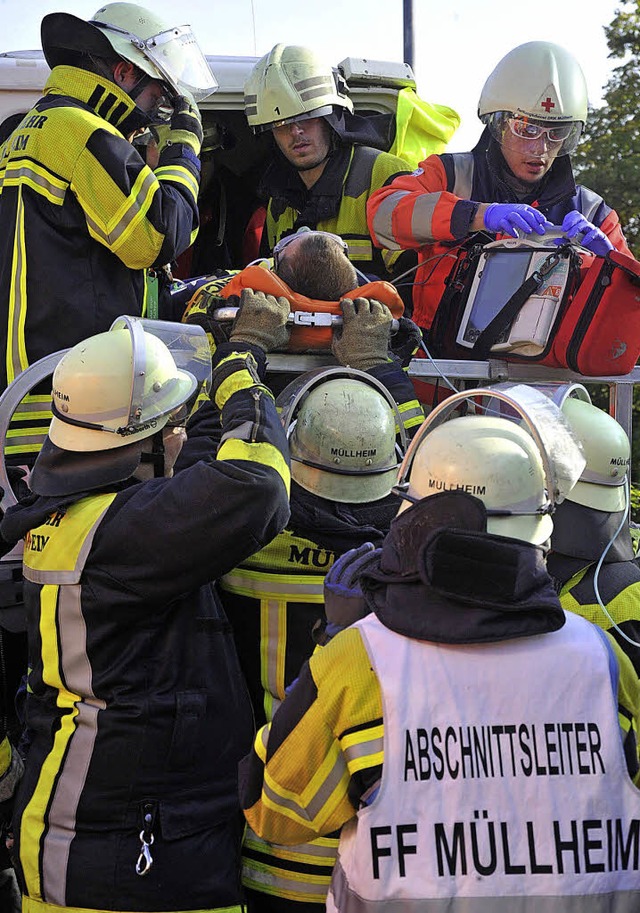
593 238
507 217
343 599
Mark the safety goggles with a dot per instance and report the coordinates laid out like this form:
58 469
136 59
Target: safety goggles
524 128
303 233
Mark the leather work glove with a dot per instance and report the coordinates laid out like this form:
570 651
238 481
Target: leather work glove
261 321
507 217
406 341
185 126
344 602
593 239
363 340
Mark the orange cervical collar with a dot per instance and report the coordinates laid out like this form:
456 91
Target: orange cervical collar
302 338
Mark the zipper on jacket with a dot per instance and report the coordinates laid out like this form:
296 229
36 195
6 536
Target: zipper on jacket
582 324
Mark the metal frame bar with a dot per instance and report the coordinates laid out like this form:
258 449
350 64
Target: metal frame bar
492 371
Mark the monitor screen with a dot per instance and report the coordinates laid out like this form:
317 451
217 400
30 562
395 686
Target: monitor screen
501 276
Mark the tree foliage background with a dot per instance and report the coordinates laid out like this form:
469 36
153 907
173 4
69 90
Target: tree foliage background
608 161
608 157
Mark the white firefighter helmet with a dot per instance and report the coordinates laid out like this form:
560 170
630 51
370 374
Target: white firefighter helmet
292 83
493 459
341 424
608 453
162 51
539 84
115 389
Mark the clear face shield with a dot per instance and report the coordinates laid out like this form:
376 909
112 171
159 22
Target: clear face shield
562 457
189 347
177 57
517 132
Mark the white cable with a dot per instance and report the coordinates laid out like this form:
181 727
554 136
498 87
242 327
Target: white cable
625 517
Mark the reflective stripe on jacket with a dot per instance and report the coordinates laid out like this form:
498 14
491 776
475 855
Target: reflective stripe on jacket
137 706
368 170
82 218
485 800
619 588
431 210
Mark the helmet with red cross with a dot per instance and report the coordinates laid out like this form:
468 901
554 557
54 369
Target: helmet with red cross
538 87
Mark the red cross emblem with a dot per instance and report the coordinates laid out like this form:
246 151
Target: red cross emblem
547 104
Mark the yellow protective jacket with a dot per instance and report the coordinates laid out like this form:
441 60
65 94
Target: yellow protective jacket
323 753
337 202
137 709
82 216
273 600
619 588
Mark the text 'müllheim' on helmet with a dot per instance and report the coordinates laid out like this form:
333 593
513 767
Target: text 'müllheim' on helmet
516 454
341 424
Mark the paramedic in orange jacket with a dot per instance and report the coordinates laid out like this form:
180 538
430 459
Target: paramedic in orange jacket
519 176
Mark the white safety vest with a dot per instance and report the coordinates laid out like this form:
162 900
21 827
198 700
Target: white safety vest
504 785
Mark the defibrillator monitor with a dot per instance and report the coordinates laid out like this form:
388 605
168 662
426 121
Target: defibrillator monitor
502 269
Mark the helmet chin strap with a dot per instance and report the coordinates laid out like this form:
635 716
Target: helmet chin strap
155 456
150 117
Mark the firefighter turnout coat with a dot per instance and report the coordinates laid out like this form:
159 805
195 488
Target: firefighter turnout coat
422 731
431 211
618 584
137 709
82 216
274 599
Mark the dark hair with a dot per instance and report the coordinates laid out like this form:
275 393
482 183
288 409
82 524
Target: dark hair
318 268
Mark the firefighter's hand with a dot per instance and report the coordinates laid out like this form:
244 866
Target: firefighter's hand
344 602
185 126
363 340
261 321
406 341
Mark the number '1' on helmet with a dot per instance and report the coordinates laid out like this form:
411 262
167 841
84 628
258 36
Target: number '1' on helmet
291 83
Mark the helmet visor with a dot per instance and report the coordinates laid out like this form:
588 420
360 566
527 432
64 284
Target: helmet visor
177 57
189 347
509 128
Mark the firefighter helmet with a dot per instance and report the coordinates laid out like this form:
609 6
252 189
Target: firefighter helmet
341 424
291 83
608 453
537 84
493 459
115 389
164 52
